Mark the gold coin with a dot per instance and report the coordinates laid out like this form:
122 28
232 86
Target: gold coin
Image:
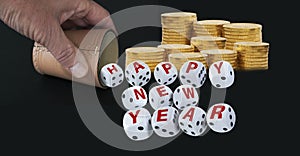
253 68
183 33
248 26
252 53
183 20
198 33
175 38
175 30
175 42
204 29
252 64
177 27
252 57
226 33
218 51
251 50
255 59
158 54
207 38
207 34
175 35
252 44
145 50
242 51
208 46
242 37
178 14
207 31
242 31
212 22
180 56
175 46
147 59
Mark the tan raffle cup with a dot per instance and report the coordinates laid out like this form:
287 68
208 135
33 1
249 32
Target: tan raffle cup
99 47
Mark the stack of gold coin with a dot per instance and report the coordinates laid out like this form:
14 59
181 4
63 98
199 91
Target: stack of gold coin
150 55
175 48
252 55
177 27
215 55
207 42
209 27
242 32
180 58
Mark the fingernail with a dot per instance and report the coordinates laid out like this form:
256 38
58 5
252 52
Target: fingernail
80 68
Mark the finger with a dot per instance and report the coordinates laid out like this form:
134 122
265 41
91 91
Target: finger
66 53
98 16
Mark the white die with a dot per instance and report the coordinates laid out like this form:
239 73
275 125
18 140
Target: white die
165 73
192 121
184 96
137 124
192 73
111 75
134 97
160 96
165 122
221 118
221 74
138 73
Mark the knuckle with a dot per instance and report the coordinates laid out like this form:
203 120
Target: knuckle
65 56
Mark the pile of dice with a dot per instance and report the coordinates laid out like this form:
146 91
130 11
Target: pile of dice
174 111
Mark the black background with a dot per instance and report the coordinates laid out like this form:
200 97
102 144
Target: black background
38 115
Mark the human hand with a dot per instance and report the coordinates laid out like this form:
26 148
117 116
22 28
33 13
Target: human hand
43 21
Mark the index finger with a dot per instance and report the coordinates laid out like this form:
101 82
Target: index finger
98 16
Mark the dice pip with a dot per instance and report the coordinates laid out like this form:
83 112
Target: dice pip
165 73
221 74
221 118
192 73
111 75
160 96
192 121
134 97
165 122
184 96
137 73
137 124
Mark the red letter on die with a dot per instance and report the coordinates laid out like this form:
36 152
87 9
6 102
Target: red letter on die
160 115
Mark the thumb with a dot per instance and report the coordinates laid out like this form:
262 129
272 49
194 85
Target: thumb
66 53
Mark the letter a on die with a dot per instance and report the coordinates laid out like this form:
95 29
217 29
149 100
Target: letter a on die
137 73
192 121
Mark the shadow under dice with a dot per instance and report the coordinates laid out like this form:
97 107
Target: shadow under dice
134 97
221 74
160 96
138 73
165 122
192 121
184 96
192 73
137 124
165 73
221 118
111 75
